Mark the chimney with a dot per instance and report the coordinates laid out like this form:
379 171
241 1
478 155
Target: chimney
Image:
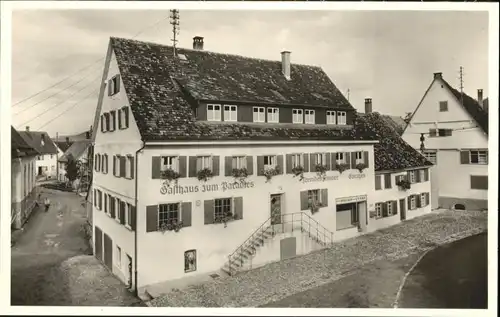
198 43
285 64
368 105
438 75
480 97
87 135
27 128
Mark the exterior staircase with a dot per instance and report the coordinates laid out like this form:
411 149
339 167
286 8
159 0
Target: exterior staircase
269 229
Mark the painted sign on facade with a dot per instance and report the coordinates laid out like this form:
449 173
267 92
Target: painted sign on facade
330 178
350 199
176 189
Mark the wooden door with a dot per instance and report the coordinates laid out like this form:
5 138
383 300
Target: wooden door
402 209
98 243
276 209
108 251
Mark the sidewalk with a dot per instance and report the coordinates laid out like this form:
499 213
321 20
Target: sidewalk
281 279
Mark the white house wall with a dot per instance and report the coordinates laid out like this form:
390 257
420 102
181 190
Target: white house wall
48 161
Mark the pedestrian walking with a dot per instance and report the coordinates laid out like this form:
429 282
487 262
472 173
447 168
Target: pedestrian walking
47 204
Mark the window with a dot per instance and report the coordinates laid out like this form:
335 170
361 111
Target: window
422 199
479 182
378 209
297 116
378 182
123 113
330 117
314 196
297 160
116 207
478 157
169 162
128 214
113 120
106 205
168 213
128 167
341 118
203 162
230 113
273 115
445 132
320 159
443 106
118 257
413 202
116 171
239 162
389 208
310 117
213 113
107 125
190 261
51 155
359 157
340 158
422 175
431 157
269 162
114 85
258 114
222 208
413 177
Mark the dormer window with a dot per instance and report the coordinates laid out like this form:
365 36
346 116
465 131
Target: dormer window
213 113
114 85
230 113
330 117
310 116
341 118
258 114
297 116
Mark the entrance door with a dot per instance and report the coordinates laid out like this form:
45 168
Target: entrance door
402 209
276 209
40 170
108 252
98 243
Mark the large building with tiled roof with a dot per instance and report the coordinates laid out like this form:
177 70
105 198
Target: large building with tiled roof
23 171
455 131
46 162
209 163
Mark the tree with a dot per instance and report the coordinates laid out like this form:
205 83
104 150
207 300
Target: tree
72 169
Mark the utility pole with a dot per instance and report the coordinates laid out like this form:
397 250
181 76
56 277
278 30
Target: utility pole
57 156
348 93
174 20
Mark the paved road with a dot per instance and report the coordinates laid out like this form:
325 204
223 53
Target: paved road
48 239
451 276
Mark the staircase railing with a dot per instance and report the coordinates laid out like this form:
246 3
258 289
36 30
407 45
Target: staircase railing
292 222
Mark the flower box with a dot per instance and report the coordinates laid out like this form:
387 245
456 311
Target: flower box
205 174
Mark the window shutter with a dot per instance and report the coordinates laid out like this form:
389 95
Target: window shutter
427 199
387 181
133 214
378 182
260 165
280 163
306 162
304 203
353 160
186 214
464 157
126 110
132 166
408 178
324 197
328 161
102 123
122 212
417 176
113 210
409 202
119 118
249 165
105 202
333 157
152 218
366 158
288 158
123 161
209 211
109 87
348 159
100 199
394 207
95 198
312 160
384 210
192 166
182 166
426 175
228 165
238 208
117 88
215 165
155 167
111 203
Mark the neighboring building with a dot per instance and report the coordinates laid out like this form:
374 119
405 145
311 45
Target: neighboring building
182 147
23 189
63 145
46 162
455 128
80 152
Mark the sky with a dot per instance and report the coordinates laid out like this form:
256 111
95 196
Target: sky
389 56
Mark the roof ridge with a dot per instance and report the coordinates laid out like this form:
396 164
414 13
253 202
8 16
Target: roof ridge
213 52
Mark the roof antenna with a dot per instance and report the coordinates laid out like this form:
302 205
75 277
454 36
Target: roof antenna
461 84
174 20
348 93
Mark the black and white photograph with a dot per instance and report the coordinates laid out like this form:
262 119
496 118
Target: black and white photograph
215 155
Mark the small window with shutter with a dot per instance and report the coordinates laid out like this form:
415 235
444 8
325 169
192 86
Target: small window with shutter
270 161
169 163
204 162
238 162
413 177
223 208
413 202
168 214
378 210
341 158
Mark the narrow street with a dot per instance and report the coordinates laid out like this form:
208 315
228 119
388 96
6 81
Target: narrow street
48 240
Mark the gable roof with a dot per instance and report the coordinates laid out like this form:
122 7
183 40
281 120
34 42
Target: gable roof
392 152
162 91
395 122
40 141
76 150
19 147
63 145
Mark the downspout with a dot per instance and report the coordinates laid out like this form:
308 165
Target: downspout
136 210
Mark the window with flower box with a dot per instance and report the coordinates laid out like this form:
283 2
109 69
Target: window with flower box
258 114
340 158
239 162
168 213
320 158
203 162
359 157
169 163
270 161
213 113
297 160
222 208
